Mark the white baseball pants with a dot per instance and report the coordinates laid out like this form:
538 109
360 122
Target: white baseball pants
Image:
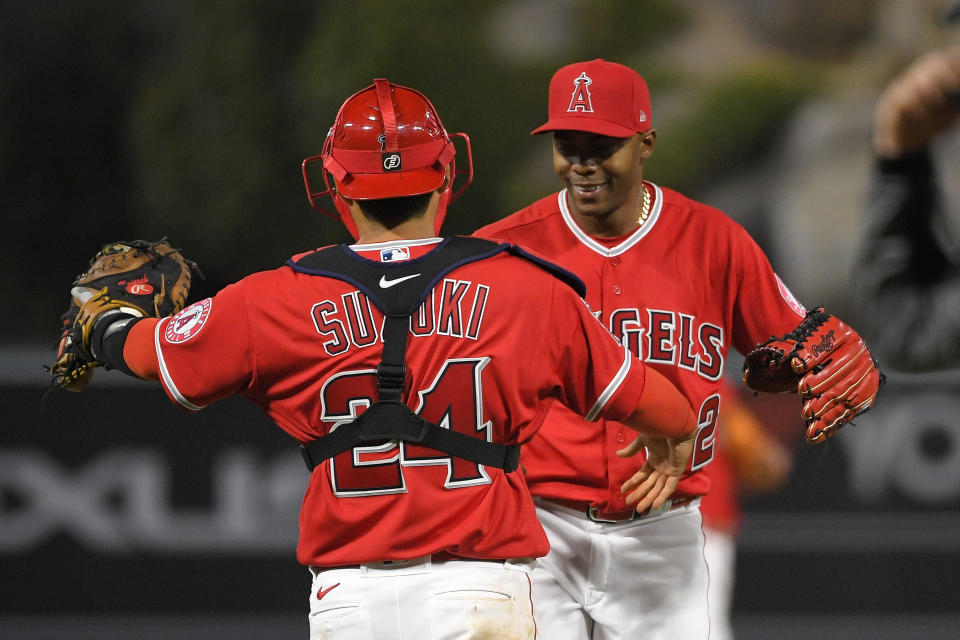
423 600
641 579
721 554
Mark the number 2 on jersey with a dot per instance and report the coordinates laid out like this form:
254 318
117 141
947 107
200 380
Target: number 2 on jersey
706 432
454 401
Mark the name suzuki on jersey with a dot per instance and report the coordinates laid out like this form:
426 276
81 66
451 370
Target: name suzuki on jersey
453 308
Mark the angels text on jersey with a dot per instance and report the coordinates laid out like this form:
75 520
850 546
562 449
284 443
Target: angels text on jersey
670 338
453 308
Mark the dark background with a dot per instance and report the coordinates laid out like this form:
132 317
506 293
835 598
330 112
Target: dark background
123 516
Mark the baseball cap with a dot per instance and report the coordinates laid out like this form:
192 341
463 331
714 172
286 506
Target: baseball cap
387 141
600 97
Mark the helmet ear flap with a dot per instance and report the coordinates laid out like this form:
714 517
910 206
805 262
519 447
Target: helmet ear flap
447 193
441 209
346 217
342 212
468 172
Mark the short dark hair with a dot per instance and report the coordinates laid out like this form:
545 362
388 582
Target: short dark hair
392 211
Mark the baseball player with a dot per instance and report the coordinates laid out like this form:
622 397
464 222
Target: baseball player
410 368
678 283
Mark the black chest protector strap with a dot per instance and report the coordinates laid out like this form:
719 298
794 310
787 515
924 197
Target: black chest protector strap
398 290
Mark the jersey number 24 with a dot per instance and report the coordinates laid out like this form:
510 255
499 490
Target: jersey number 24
454 400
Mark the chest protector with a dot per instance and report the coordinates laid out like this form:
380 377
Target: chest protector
398 289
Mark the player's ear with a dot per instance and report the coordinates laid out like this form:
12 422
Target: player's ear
446 180
647 141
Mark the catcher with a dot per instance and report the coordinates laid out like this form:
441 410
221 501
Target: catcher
125 280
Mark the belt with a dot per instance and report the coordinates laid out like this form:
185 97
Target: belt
595 515
436 558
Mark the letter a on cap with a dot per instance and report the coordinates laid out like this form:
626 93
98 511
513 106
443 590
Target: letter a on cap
581 94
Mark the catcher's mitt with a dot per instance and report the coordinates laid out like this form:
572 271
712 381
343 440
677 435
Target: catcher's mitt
136 278
827 363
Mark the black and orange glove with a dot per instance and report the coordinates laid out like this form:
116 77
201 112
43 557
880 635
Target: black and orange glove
827 363
136 278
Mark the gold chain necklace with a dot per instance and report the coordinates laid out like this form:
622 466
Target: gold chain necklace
645 211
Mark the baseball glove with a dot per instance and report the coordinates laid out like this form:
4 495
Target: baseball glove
136 278
827 363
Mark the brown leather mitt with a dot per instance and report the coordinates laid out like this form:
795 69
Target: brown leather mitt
137 278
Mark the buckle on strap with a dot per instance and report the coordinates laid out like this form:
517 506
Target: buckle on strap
391 375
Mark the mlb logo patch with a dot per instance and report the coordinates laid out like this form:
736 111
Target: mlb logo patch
394 254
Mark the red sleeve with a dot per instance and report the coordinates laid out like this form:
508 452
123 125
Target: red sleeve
205 352
763 306
662 410
599 378
139 352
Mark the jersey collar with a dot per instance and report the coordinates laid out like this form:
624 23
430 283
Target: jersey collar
631 240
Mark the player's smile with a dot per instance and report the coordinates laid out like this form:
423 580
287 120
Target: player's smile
603 177
586 189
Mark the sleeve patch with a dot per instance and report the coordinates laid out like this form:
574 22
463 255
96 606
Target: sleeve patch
789 298
187 323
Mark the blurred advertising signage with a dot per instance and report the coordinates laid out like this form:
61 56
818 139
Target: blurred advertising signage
120 500
120 469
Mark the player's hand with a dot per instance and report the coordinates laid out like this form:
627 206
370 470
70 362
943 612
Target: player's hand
657 479
917 105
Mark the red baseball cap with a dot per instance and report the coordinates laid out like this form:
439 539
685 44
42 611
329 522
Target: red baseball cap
600 97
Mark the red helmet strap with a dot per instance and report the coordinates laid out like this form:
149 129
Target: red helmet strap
391 138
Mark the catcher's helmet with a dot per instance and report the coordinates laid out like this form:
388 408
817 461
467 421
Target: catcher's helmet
387 142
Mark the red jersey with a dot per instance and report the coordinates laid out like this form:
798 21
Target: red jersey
679 291
493 340
721 508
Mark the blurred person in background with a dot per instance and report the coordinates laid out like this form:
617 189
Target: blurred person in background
748 461
907 274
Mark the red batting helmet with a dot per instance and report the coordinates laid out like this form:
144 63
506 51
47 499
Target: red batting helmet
387 141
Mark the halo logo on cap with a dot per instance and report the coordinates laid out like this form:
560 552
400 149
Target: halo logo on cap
580 100
608 99
391 161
